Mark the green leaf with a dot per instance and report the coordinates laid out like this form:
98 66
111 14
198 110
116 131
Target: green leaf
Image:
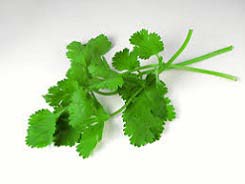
78 72
132 83
41 128
65 134
171 114
81 57
145 117
125 60
76 52
87 116
84 109
83 53
89 139
99 46
60 95
80 109
146 44
103 76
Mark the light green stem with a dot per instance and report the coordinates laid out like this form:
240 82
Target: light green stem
206 56
182 48
204 71
127 103
106 93
143 67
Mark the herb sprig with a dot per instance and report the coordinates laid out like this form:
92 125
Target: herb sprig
78 118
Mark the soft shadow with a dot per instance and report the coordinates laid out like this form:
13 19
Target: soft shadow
113 128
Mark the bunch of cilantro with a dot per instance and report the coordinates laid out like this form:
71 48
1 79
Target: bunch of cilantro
78 118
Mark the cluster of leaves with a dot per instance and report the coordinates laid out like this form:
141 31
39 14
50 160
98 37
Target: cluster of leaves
78 118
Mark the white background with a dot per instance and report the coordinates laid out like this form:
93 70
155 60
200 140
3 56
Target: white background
205 144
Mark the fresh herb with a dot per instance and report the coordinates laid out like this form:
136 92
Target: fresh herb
78 118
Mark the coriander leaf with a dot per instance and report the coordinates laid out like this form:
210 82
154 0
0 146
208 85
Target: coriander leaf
82 55
100 114
76 52
146 44
131 84
84 108
41 128
125 60
65 134
103 76
79 53
145 117
89 139
171 114
80 109
79 73
99 46
60 95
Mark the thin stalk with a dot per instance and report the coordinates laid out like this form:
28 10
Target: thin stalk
157 74
106 93
159 58
118 111
206 56
143 67
157 68
149 71
204 71
127 103
181 49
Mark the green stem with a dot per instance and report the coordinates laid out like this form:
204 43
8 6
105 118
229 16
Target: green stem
118 111
106 93
181 49
127 103
149 71
206 56
159 58
157 67
204 71
143 67
197 70
157 74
